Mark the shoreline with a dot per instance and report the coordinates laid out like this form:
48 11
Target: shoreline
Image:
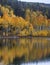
24 37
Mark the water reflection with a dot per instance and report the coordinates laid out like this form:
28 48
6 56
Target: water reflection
16 51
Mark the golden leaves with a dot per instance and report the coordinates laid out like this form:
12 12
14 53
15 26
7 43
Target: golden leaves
26 26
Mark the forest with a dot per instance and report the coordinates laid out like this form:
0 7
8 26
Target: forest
34 23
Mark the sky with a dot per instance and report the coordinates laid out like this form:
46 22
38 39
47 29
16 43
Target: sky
40 1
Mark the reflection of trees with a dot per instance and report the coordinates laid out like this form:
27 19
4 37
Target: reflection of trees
29 48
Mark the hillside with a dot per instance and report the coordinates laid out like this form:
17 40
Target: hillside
20 7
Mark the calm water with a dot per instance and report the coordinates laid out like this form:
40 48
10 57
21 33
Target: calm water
24 50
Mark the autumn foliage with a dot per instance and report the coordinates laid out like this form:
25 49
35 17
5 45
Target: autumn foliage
34 24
